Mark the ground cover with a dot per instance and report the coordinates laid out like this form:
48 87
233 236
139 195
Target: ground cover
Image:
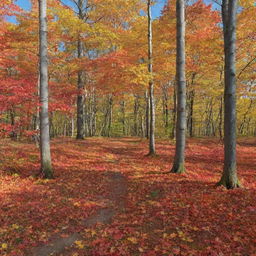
109 198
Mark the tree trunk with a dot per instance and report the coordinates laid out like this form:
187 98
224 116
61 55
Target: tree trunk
229 177
147 115
220 120
135 116
152 150
80 83
179 159
174 112
191 96
72 127
46 166
165 108
110 115
80 97
123 116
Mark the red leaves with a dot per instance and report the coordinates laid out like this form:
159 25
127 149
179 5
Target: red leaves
165 214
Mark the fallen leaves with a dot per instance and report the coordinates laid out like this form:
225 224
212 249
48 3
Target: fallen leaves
79 244
164 214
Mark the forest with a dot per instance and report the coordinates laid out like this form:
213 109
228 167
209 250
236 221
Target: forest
127 127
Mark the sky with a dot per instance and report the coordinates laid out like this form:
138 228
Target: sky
156 10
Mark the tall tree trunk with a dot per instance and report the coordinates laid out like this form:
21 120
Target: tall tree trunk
152 150
179 159
110 115
135 116
229 177
37 121
174 112
147 115
46 166
80 83
72 126
80 97
165 108
191 96
220 120
123 116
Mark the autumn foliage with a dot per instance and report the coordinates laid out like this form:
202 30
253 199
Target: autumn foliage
115 64
107 196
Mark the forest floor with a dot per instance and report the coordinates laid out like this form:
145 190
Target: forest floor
109 198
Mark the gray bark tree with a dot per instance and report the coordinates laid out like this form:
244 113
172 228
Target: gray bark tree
179 158
152 150
229 177
46 166
80 83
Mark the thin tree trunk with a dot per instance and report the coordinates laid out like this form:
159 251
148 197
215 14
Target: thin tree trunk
179 159
46 166
220 121
174 112
135 115
123 116
152 150
80 83
191 96
110 115
72 127
80 97
37 126
229 177
147 115
165 108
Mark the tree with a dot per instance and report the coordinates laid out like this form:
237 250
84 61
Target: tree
152 150
80 75
179 158
229 177
46 166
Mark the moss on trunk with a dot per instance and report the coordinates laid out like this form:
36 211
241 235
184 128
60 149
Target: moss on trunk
47 171
229 180
178 168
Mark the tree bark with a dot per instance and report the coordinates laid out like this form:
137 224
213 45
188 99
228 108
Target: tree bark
229 176
135 116
174 112
152 150
80 97
191 96
147 115
46 166
122 103
80 83
165 108
179 158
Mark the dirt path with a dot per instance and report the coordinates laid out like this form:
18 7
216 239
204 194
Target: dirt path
116 198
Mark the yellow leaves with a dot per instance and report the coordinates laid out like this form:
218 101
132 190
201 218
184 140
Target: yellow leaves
246 3
15 226
184 237
180 234
91 231
154 203
77 204
172 235
4 246
79 244
133 240
110 158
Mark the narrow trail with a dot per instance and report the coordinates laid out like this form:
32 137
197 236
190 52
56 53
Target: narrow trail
117 194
